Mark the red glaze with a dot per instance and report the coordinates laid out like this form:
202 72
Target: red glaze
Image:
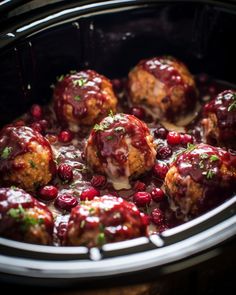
16 227
104 219
164 70
76 89
224 107
110 140
17 140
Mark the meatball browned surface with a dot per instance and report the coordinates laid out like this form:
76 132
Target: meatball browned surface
23 218
164 85
121 146
199 179
83 98
26 158
219 124
103 220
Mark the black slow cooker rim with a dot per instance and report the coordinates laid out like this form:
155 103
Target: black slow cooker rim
195 237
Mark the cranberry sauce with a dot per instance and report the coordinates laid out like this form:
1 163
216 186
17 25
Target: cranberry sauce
111 137
224 108
75 89
15 141
203 163
79 182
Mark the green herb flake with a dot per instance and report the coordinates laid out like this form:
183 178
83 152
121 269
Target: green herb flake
214 158
201 164
111 114
109 137
13 187
60 78
204 156
32 164
82 224
6 152
209 174
232 106
91 210
100 127
190 147
101 239
79 82
16 213
77 98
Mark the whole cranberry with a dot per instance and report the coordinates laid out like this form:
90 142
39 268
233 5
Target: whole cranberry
89 194
37 127
161 133
142 199
48 192
164 152
138 112
186 138
160 169
157 216
98 181
65 136
145 218
65 172
139 186
36 111
173 138
65 202
157 194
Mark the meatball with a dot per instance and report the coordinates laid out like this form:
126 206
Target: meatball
83 98
103 220
219 123
199 179
23 218
121 146
164 86
26 158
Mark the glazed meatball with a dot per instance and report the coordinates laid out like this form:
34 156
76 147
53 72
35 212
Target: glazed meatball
26 158
83 98
199 179
103 220
23 218
219 123
164 86
121 147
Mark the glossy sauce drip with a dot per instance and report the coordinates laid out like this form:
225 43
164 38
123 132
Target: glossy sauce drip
77 89
15 141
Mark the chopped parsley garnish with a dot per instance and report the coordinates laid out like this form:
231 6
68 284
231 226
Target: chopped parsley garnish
101 239
13 187
232 106
73 72
209 174
201 164
77 98
214 158
111 114
6 152
110 137
60 78
16 213
100 127
204 156
79 82
190 147
32 164
91 210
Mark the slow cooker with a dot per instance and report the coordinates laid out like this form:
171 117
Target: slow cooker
42 39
